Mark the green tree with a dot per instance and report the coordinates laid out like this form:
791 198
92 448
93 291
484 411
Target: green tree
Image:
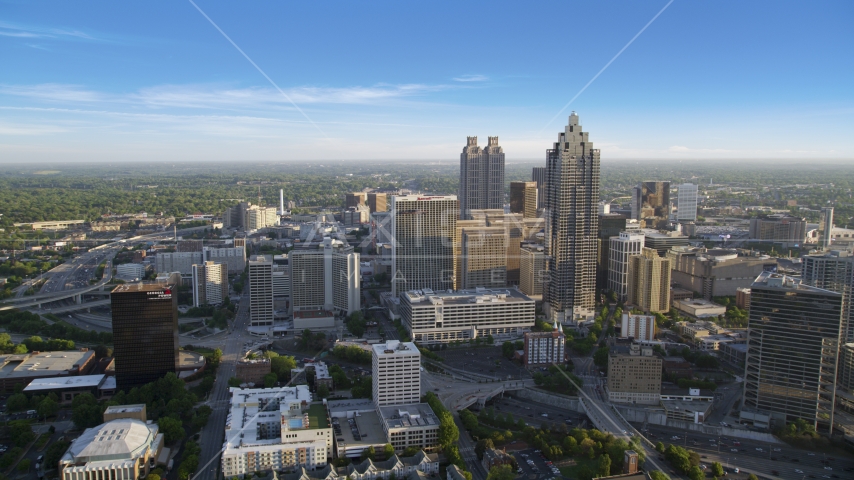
696 473
604 466
449 434
717 469
48 407
388 451
658 475
233 382
660 447
270 380
600 358
171 428
24 465
411 451
501 472
508 349
21 433
17 402
483 445
752 477
322 391
368 453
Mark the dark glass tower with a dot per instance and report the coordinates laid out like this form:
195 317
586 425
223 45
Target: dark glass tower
145 333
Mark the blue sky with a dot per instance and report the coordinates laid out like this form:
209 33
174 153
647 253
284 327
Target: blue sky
135 81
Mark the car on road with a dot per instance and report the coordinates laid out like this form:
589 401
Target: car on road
828 468
798 471
733 449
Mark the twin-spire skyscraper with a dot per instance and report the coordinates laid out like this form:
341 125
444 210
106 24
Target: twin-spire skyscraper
570 202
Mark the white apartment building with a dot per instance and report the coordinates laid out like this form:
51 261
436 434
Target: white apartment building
443 317
210 283
621 248
260 217
261 309
545 347
641 327
275 429
325 278
396 368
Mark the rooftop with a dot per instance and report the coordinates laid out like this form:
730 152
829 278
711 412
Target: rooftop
142 287
55 383
465 297
119 439
259 415
413 415
777 280
44 364
305 314
395 347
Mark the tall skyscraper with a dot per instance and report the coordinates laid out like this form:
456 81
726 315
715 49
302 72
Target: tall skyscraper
481 177
686 203
793 334
523 198
210 283
651 204
572 179
621 249
649 281
396 368
145 332
325 278
539 175
825 228
423 230
532 264
260 291
833 271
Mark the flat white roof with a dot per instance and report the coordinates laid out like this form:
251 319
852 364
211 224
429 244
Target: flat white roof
81 381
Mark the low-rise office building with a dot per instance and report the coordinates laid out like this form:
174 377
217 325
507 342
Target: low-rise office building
275 429
131 270
717 272
413 425
733 353
442 317
699 308
66 388
634 375
23 368
252 371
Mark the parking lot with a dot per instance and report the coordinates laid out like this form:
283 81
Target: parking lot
483 360
533 464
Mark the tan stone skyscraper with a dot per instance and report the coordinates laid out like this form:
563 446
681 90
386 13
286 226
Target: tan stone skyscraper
649 281
572 219
523 198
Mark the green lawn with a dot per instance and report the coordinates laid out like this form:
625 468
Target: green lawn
572 471
317 416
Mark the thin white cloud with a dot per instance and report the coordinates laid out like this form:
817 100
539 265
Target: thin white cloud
471 78
678 148
12 30
52 91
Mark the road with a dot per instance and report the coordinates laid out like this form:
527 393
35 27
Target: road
212 435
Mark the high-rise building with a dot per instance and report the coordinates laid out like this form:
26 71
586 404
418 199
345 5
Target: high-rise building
634 375
610 225
381 228
355 199
423 229
779 228
356 216
572 179
833 271
523 198
639 327
261 310
793 341
539 175
483 257
233 257
532 269
825 228
325 278
377 202
177 262
649 282
396 368
234 217
621 249
686 203
481 177
651 204
210 283
145 332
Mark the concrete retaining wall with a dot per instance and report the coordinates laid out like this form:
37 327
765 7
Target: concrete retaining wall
552 399
657 417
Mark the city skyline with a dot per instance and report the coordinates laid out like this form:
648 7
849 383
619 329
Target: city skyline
119 83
